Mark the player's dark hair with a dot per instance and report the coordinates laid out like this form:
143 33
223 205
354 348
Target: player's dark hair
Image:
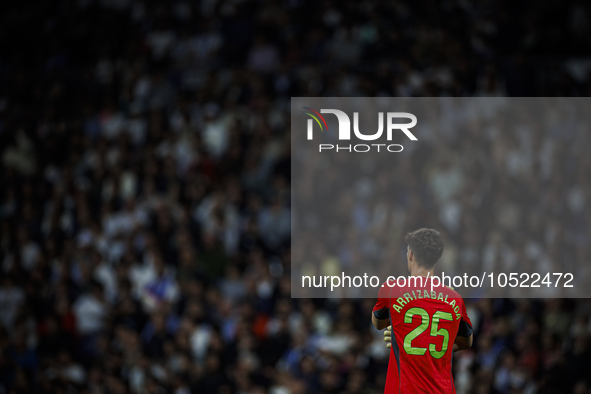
427 246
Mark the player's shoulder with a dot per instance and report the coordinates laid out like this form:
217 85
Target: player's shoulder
451 293
389 283
389 289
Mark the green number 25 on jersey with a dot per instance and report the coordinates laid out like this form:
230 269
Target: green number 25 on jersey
435 331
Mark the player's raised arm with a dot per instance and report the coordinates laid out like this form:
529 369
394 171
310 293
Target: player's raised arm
380 315
465 333
462 343
380 324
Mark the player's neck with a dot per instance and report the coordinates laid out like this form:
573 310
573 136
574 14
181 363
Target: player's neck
420 271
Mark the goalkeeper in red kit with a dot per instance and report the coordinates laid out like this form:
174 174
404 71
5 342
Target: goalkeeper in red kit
427 322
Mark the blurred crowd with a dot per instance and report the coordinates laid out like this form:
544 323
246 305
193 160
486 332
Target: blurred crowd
145 190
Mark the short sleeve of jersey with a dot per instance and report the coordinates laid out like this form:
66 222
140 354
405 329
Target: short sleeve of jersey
465 328
381 308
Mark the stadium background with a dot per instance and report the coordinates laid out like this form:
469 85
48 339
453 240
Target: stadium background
145 179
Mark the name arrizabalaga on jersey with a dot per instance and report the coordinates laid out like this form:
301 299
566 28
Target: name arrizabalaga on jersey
400 302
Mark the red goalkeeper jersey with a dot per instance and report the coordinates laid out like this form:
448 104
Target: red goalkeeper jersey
425 323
